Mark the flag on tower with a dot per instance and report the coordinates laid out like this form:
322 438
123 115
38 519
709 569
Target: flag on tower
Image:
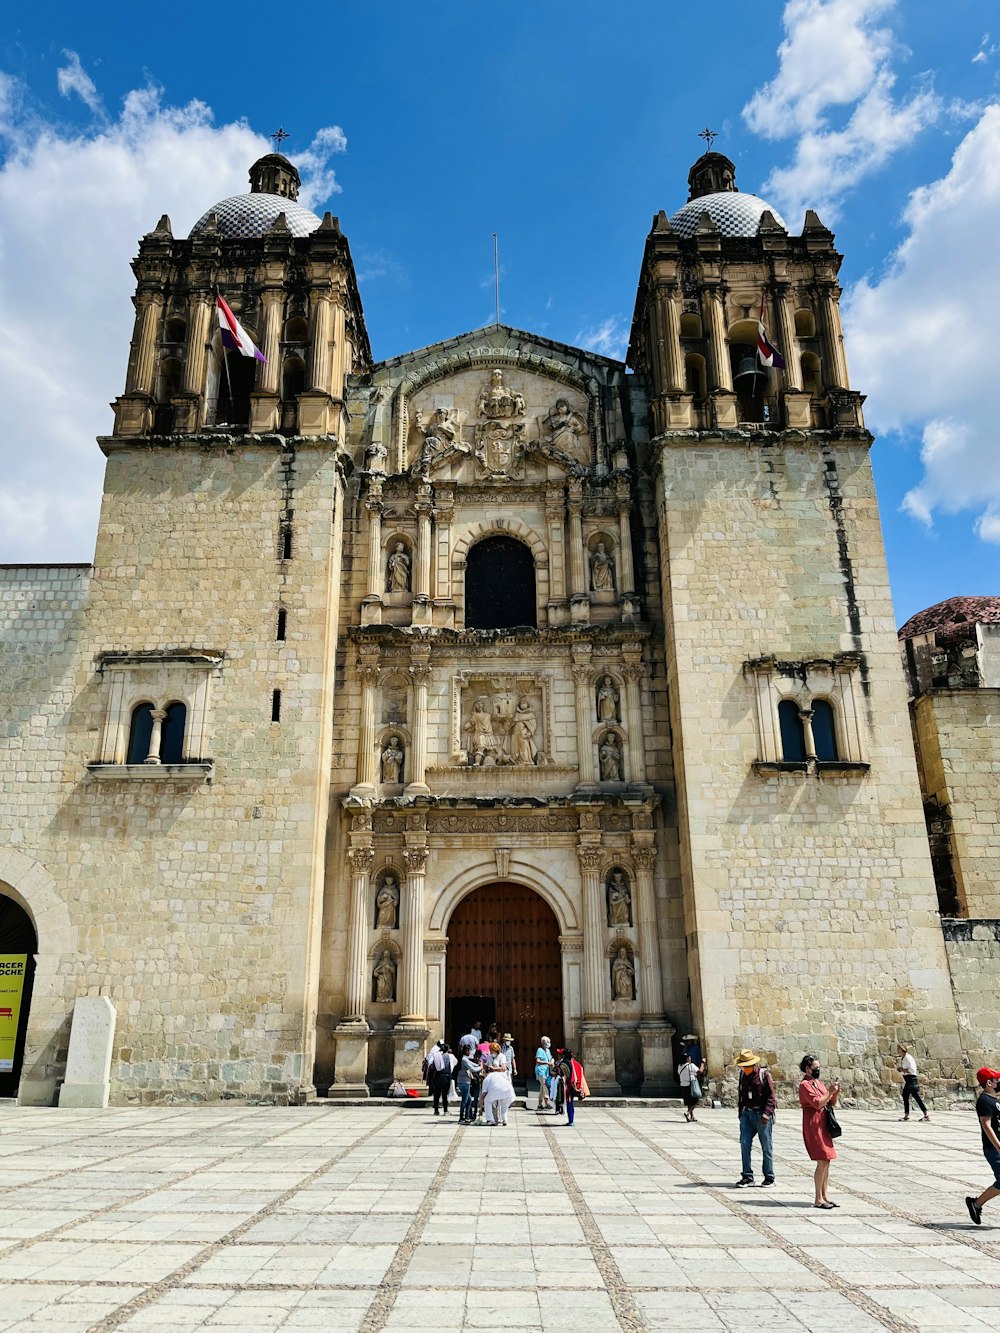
234 335
767 354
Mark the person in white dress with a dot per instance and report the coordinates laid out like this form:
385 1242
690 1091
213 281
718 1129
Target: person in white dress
496 1096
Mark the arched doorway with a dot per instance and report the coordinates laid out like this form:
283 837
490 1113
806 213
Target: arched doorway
18 946
505 966
500 585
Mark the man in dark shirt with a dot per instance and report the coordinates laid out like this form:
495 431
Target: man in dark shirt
755 1102
988 1111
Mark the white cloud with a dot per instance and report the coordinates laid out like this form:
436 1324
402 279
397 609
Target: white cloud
72 209
73 78
835 56
922 337
608 338
987 50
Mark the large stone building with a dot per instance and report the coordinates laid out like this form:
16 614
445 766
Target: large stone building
498 679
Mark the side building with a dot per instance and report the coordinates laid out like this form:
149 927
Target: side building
495 680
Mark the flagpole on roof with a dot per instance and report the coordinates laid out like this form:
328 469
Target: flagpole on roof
496 275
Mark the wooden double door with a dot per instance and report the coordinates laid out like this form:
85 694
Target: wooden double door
505 966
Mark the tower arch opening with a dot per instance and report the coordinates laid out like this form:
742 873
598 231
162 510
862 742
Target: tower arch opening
500 585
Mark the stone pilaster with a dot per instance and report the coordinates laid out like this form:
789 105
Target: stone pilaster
371 605
368 673
352 1032
633 672
584 713
412 990
420 672
596 1031
422 579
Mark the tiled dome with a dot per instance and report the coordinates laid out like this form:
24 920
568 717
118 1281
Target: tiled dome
734 213
953 620
250 215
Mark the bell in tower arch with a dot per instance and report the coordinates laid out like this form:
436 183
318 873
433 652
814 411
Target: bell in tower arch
274 174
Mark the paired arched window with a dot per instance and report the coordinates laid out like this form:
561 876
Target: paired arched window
794 747
500 585
170 749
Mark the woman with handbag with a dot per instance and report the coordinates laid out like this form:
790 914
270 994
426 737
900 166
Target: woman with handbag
689 1074
818 1121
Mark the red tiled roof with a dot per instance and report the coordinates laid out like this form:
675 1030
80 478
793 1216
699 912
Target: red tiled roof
954 619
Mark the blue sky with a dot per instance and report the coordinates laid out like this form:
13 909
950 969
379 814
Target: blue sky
561 127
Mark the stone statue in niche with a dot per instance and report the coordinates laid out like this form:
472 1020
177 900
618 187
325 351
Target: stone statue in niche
602 569
397 570
521 740
607 701
392 760
384 979
481 746
442 438
387 903
610 757
563 427
619 899
497 400
622 976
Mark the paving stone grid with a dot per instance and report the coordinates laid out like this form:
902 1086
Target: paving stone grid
376 1218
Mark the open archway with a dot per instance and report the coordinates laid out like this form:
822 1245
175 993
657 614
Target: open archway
18 946
505 966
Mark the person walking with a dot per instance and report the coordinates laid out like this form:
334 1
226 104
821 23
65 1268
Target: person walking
439 1076
988 1111
543 1069
574 1083
689 1075
755 1104
814 1098
911 1084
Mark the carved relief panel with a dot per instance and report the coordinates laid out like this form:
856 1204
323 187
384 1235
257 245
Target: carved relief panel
501 721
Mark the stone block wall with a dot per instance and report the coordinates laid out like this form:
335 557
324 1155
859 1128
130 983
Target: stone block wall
195 903
957 732
973 948
810 905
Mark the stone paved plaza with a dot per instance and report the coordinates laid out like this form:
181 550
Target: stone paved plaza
377 1218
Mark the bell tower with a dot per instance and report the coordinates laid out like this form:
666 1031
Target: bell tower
797 799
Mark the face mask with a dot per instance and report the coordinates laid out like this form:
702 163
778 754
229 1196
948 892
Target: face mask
814 1072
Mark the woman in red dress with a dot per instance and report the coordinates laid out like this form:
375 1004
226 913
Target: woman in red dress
814 1099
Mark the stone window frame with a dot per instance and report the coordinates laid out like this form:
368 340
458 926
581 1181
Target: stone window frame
836 681
131 679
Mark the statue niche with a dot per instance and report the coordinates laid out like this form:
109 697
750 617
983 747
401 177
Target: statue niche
619 897
607 701
398 569
384 979
387 903
393 755
610 757
622 975
602 569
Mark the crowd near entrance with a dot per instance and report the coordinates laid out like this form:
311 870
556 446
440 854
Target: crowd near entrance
505 967
18 946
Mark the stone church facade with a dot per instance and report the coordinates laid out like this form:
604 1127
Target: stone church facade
497 680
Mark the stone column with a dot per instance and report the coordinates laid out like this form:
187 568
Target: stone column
626 574
720 369
833 337
670 327
376 574
584 717
362 859
199 313
351 1033
808 740
412 989
442 517
272 299
633 712
784 309
420 672
578 589
158 715
319 351
555 521
422 576
597 1032
654 1032
368 672
142 363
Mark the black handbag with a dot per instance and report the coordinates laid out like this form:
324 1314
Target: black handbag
832 1123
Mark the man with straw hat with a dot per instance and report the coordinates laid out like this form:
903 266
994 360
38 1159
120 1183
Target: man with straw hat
755 1101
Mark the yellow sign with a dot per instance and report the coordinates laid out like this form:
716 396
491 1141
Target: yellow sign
12 969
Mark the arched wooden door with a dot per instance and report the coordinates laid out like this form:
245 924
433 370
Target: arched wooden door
505 966
18 947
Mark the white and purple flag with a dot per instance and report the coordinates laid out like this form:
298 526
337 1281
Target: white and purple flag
234 336
767 354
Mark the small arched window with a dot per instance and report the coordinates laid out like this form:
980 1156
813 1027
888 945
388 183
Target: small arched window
140 734
690 326
500 585
695 380
811 380
175 330
297 330
824 730
172 734
805 324
793 739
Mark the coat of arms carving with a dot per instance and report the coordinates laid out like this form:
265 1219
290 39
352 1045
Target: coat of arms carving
500 442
